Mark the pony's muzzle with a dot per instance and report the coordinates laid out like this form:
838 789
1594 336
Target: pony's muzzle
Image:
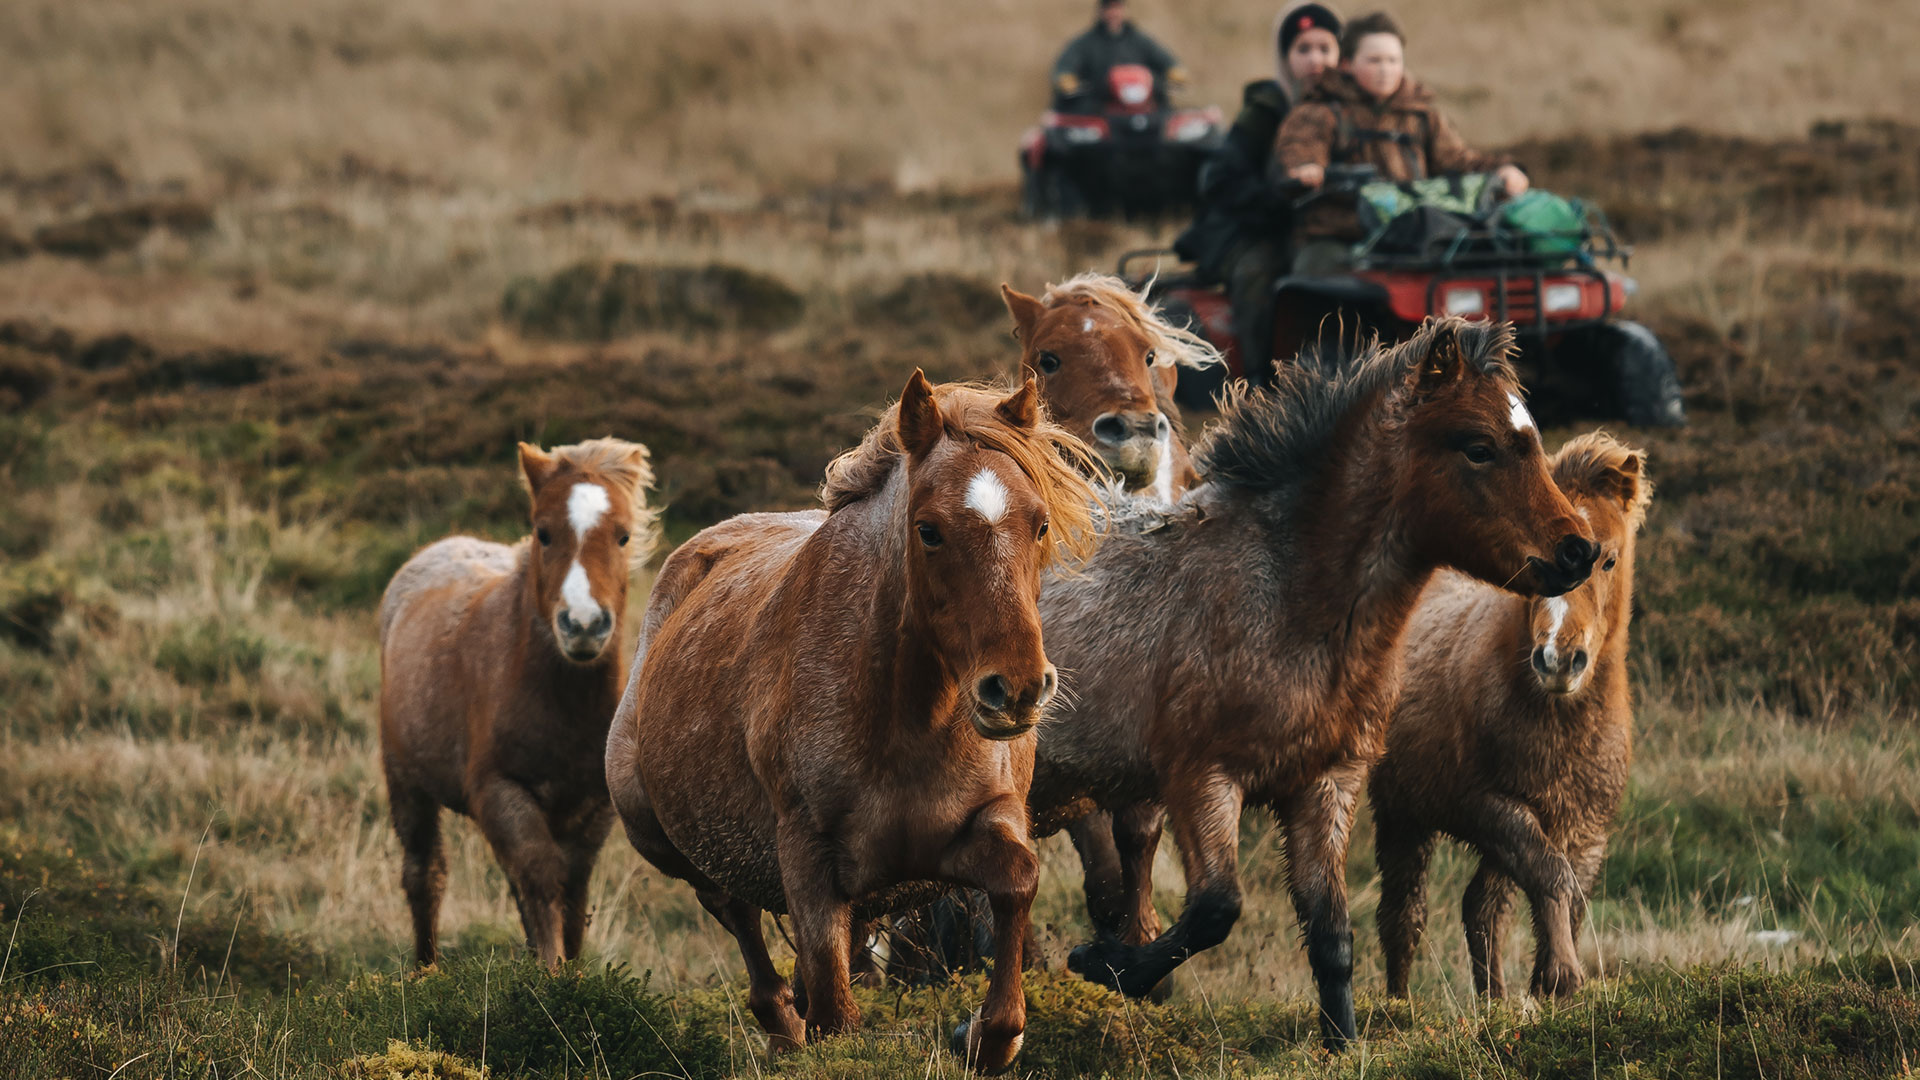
1130 441
580 642
1573 559
1002 712
1560 672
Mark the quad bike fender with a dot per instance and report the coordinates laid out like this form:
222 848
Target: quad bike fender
1340 290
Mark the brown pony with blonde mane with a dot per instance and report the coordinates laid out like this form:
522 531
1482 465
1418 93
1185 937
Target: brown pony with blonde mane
1514 736
1106 363
1244 646
831 713
499 670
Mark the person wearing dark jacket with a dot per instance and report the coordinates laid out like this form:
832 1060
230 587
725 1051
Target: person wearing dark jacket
1242 224
1080 75
1371 112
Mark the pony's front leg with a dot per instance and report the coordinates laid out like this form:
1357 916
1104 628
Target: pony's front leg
1205 813
1319 825
1508 832
822 930
516 828
996 857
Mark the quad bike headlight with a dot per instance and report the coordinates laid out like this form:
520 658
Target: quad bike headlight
1463 301
1565 296
1190 128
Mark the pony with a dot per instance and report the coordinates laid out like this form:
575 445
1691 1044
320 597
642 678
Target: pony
1243 646
1513 736
832 712
1106 364
499 670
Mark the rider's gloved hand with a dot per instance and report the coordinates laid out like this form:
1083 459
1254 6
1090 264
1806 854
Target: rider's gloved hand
1067 83
1513 180
1177 76
1310 174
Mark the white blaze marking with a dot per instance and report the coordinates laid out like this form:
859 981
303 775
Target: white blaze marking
987 496
577 591
1517 412
1163 470
1086 325
1556 607
585 505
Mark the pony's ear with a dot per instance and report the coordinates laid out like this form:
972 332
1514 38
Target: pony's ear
1021 408
1025 310
920 421
1625 480
536 465
1442 364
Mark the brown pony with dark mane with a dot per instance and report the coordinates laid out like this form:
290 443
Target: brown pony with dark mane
1106 364
1244 646
499 670
1514 736
830 711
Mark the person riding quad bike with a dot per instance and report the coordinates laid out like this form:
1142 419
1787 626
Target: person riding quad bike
1369 111
1080 75
1240 229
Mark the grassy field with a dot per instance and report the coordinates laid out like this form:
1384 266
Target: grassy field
279 289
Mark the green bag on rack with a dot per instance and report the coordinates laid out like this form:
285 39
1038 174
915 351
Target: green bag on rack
1547 224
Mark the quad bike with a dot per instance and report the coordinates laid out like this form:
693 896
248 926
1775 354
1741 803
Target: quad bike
1135 155
1563 299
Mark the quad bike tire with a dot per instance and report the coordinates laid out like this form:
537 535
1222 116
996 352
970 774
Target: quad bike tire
1646 388
1048 194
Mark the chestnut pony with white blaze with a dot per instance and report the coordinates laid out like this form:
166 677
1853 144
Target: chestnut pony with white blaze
831 714
1106 364
1514 736
1244 646
499 670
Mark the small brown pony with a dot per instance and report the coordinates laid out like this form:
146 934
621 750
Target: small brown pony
1514 734
499 671
1106 365
829 711
1244 646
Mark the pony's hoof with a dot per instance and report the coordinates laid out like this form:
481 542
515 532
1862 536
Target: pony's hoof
967 1047
1557 978
1108 963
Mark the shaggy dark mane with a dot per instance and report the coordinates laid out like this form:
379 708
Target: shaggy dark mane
1266 438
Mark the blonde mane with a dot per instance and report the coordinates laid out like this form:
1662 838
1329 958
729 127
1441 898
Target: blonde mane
1056 462
626 466
1584 460
1171 344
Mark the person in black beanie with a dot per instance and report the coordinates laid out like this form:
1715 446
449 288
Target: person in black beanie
1241 228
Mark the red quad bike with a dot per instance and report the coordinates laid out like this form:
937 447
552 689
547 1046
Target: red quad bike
1135 156
1565 303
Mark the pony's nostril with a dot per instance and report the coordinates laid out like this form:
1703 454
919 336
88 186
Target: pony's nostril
602 623
1161 428
1579 659
565 622
1540 659
994 692
1110 428
1049 681
1575 555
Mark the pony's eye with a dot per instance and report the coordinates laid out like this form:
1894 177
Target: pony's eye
1049 363
929 535
545 536
623 539
1608 565
1151 357
1479 453
1043 531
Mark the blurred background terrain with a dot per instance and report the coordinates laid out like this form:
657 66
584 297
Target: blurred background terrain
280 286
